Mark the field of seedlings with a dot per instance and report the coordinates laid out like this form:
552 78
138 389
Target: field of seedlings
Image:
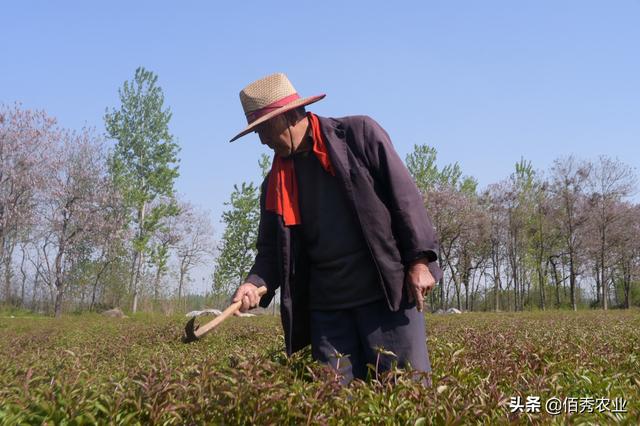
540 368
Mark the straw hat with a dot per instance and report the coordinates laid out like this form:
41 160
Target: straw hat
268 97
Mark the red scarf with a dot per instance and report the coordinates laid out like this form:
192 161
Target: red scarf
282 188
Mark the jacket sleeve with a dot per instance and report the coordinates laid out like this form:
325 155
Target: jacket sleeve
411 223
264 269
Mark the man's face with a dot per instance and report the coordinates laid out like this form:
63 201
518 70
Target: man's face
275 134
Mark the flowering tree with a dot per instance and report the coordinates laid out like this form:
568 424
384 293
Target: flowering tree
609 182
26 138
73 203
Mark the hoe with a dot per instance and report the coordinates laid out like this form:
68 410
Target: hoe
193 332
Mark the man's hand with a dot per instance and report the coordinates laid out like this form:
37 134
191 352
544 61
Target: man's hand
419 282
247 293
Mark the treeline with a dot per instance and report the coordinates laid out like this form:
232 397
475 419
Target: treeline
86 227
91 221
564 238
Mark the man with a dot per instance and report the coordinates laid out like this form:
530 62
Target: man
343 233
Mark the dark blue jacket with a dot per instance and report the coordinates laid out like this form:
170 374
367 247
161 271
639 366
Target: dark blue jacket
388 205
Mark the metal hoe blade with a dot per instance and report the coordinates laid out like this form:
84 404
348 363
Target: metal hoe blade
190 331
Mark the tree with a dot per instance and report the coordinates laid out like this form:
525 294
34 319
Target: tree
493 201
72 204
237 248
195 241
610 182
449 197
422 167
26 141
542 238
520 212
161 242
144 162
569 178
109 241
625 244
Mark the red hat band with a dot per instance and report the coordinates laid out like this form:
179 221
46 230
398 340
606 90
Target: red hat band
254 115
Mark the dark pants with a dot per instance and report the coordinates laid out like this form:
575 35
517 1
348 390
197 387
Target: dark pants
349 339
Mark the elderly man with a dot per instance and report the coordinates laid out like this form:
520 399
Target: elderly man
343 233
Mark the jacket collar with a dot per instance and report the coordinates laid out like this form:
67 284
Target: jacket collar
334 134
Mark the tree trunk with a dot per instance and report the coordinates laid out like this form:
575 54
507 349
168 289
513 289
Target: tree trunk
465 282
59 284
24 279
605 290
95 285
180 283
603 241
156 284
603 280
8 272
466 296
134 308
35 291
22 301
541 284
557 281
527 297
496 277
514 275
140 257
626 282
598 286
52 297
496 292
446 294
57 310
474 290
132 278
456 283
572 282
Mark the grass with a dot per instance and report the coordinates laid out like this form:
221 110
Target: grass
86 369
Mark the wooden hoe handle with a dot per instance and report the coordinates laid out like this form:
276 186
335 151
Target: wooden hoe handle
192 333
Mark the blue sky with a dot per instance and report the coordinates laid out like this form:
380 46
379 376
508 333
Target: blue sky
484 82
